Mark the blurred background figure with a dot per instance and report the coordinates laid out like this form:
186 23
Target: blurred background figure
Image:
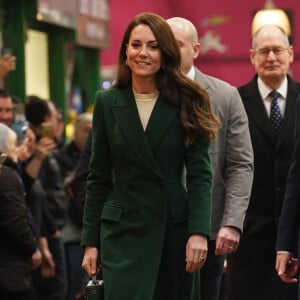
42 117
7 64
60 128
67 158
6 108
19 252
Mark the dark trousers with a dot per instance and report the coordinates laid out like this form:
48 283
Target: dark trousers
4 295
251 270
211 274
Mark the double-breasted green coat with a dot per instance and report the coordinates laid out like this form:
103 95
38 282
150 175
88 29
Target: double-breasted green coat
137 211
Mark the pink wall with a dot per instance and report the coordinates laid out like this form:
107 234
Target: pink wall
229 21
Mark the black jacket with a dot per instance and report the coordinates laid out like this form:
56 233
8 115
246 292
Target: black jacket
67 158
18 241
52 182
78 185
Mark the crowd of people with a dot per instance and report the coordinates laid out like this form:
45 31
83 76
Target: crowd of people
180 185
39 259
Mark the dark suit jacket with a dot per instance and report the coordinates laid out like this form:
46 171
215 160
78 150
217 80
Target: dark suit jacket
136 201
271 156
290 216
256 252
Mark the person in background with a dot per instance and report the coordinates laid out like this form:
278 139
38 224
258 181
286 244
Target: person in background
231 158
67 158
31 154
78 183
138 216
270 102
6 108
287 245
19 252
60 128
7 64
42 117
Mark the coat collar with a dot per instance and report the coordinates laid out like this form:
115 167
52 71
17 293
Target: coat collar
143 142
202 78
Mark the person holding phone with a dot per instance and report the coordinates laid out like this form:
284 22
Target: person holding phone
42 118
19 252
7 62
6 108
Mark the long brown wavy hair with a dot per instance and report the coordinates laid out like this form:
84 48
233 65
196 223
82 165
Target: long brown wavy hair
195 110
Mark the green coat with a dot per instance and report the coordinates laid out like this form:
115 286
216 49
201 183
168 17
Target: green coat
136 204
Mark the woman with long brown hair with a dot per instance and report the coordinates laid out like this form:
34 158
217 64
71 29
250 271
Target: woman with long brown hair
148 230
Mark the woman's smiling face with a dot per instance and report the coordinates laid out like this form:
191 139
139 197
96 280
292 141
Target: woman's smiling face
143 53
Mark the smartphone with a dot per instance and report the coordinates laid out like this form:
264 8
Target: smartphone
3 157
47 130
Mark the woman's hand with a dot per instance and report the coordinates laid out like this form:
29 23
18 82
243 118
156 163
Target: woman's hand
196 252
90 259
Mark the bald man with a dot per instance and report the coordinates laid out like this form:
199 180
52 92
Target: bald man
231 158
269 96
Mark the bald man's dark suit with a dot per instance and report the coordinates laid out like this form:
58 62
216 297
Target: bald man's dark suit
251 270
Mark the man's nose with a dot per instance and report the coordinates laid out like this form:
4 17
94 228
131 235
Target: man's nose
271 54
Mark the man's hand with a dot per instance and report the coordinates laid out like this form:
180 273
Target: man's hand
44 146
48 264
227 241
36 259
286 266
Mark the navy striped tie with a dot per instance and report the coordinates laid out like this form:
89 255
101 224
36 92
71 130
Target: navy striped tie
275 114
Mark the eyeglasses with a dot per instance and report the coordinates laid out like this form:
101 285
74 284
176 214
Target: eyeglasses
277 51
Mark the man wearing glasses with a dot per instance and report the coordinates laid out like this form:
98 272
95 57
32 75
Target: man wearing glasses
270 102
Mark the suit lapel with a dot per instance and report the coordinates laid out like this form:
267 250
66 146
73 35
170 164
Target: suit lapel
127 117
161 118
255 108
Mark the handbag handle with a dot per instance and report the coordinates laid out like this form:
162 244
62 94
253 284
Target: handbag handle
94 278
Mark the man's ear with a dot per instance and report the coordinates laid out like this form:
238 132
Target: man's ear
197 48
252 54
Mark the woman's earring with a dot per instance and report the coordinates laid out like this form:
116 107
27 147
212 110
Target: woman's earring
126 61
163 66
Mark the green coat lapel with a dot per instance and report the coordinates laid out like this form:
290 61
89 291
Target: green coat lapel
126 115
161 118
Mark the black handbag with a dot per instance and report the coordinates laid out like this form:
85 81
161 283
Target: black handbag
95 289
